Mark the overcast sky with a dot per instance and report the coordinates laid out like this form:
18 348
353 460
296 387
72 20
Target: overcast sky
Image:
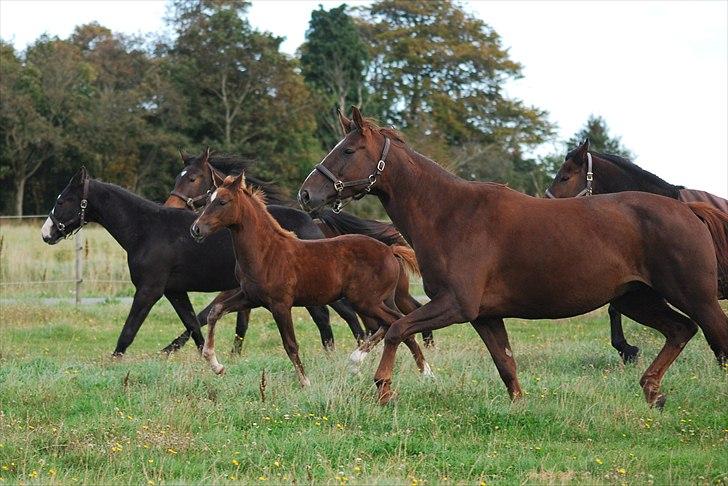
656 71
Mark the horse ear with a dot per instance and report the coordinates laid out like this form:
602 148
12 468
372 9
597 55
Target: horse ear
346 124
581 151
239 181
184 156
357 118
205 157
80 176
217 177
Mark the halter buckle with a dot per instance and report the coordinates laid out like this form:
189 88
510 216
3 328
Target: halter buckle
339 186
590 176
380 166
84 203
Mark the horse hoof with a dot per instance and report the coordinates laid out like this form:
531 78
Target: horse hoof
219 369
117 356
630 354
386 397
427 371
305 382
659 402
429 344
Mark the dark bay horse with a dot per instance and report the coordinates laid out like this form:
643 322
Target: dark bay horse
195 183
586 172
192 189
487 252
276 270
163 259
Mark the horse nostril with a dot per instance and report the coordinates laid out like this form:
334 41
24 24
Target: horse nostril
303 198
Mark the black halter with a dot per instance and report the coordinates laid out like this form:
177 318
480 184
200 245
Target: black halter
340 185
191 202
81 213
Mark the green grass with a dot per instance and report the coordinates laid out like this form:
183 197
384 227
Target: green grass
66 414
69 414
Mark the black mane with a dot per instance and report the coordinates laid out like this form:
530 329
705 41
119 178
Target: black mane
231 164
636 171
345 223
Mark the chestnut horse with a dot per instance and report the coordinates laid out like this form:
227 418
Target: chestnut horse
487 252
194 185
586 172
276 270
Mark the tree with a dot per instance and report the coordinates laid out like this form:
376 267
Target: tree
242 94
439 71
600 140
333 62
42 95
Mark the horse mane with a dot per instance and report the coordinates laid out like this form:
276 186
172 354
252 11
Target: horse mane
389 132
258 198
231 164
346 223
636 171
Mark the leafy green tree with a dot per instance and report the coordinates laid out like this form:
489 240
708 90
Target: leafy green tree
438 71
333 62
600 140
241 93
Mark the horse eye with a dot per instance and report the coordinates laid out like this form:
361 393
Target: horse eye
222 202
564 178
192 179
349 151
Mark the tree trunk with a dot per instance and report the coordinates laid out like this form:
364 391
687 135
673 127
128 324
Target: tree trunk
19 193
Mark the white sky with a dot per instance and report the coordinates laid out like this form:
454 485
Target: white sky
656 71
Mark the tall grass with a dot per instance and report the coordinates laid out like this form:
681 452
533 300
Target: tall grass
31 268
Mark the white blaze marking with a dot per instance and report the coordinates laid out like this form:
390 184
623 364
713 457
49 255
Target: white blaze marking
214 195
45 231
182 173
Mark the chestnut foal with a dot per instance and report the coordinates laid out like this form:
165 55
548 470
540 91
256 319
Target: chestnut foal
278 271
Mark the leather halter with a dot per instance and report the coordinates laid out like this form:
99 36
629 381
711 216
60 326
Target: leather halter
191 202
81 213
340 185
587 191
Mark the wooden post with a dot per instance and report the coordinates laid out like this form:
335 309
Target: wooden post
79 265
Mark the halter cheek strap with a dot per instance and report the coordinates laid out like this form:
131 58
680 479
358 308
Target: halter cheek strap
340 185
191 202
587 191
81 213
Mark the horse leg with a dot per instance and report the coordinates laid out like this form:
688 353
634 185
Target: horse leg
626 351
282 316
201 318
346 311
406 303
241 329
219 307
439 312
181 303
320 316
144 300
648 308
493 333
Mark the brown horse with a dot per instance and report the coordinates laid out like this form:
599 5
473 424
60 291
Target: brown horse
195 184
278 271
487 252
585 172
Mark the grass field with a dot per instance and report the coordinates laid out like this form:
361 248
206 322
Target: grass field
69 413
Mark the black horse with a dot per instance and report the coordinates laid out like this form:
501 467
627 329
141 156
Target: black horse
163 259
194 184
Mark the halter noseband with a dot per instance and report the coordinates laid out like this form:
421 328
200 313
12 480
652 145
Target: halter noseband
81 213
340 185
191 202
587 191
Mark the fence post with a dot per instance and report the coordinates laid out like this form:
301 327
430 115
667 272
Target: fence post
79 265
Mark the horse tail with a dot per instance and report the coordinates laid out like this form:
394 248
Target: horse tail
407 258
717 223
347 224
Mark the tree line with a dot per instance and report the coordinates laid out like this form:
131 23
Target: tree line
123 105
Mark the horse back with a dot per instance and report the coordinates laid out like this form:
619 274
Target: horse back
693 195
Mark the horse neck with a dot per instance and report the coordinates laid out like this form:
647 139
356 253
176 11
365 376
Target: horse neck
609 178
413 193
256 240
119 212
